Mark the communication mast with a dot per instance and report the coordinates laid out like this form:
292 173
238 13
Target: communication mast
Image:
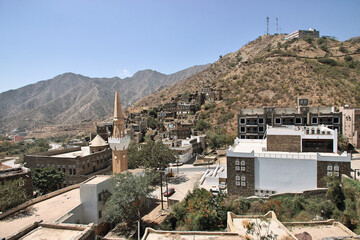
267 25
277 26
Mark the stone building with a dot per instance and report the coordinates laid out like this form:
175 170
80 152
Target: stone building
351 125
77 163
290 159
303 33
252 122
181 131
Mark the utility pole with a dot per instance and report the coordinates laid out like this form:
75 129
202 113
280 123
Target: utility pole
161 192
267 25
167 191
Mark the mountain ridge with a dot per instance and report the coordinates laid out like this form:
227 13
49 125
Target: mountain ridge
70 98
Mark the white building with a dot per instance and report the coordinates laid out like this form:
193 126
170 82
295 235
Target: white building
290 159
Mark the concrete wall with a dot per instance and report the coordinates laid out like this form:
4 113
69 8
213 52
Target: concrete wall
89 198
285 175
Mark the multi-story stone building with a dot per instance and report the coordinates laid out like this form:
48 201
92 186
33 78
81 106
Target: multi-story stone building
252 122
303 33
351 125
290 159
181 131
77 163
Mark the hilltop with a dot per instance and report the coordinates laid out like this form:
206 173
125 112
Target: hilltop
71 98
270 71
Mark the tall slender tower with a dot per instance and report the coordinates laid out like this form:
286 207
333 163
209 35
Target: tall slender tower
119 142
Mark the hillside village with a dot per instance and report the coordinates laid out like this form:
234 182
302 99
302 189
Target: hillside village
248 148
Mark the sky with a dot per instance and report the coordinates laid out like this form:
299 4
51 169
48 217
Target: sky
40 39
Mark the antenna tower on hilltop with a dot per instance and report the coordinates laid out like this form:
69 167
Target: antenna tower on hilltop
267 25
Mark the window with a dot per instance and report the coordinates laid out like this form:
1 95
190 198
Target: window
70 171
74 171
100 197
242 129
100 214
336 174
237 162
237 183
336 120
277 120
329 173
242 162
242 120
243 169
336 168
243 184
237 177
314 120
243 178
329 167
261 129
237 168
261 121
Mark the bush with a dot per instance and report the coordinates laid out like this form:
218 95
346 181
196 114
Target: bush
342 49
328 61
309 39
348 58
324 47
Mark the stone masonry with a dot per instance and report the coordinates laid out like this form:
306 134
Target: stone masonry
283 143
241 167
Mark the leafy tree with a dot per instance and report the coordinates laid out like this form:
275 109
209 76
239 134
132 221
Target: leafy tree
335 192
154 155
133 156
47 179
126 201
199 211
11 194
216 139
152 123
153 113
202 125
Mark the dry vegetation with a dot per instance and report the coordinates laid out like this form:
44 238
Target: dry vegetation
272 71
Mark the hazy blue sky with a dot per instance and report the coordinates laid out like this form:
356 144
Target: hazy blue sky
106 38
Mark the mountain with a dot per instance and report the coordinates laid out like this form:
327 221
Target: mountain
270 71
70 98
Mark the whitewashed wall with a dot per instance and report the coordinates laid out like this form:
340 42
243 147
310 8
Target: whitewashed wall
285 175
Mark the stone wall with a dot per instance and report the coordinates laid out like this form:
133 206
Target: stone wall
249 173
322 170
284 143
74 168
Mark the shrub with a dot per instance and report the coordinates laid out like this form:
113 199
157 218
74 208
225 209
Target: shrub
328 61
342 49
324 47
348 58
309 39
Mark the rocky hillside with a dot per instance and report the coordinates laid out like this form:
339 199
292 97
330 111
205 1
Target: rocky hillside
70 98
272 71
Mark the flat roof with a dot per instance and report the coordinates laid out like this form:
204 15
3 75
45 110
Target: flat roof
48 210
41 233
98 179
152 234
321 231
74 154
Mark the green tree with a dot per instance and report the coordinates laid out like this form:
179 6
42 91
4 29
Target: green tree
133 155
11 194
126 201
47 179
216 139
335 192
155 155
202 125
152 123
